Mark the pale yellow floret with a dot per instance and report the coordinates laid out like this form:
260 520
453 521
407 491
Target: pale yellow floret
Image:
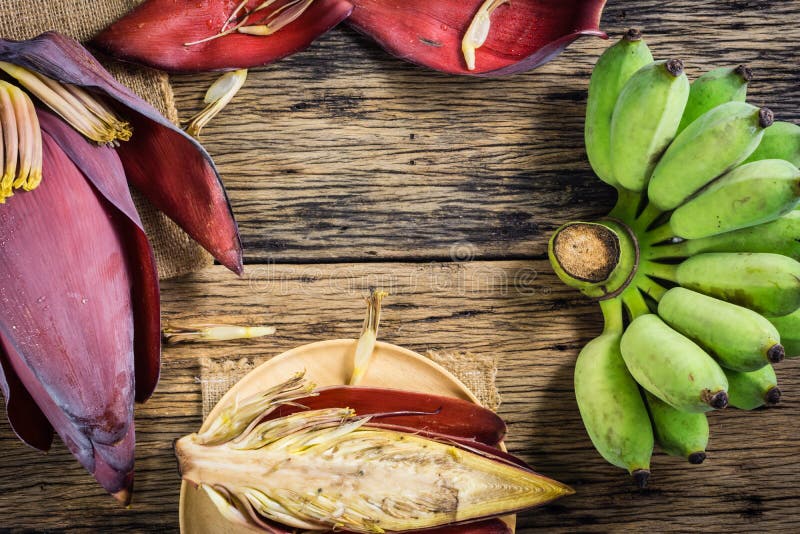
217 97
369 336
478 31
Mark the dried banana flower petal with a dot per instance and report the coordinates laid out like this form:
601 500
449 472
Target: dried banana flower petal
184 36
472 36
331 469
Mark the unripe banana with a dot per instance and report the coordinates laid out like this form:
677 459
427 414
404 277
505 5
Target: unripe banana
738 338
780 141
672 367
789 328
713 89
749 195
678 433
768 284
748 391
781 236
645 120
716 142
613 70
612 408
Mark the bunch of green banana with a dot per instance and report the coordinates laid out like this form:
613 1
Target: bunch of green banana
696 269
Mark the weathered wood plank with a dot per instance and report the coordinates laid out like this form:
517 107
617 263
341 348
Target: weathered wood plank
343 153
518 310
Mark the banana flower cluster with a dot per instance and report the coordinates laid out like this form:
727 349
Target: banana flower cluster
80 332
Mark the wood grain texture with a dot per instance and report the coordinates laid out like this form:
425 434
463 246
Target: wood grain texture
518 309
349 169
342 153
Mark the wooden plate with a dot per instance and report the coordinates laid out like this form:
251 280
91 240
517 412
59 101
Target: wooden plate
326 363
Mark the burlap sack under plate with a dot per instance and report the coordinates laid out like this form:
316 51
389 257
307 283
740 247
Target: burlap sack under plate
175 252
476 371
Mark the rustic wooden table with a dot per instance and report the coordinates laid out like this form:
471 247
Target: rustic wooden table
349 169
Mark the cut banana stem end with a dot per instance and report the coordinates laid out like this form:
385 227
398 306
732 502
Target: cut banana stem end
600 259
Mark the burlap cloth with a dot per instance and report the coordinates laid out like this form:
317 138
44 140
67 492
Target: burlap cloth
176 253
477 371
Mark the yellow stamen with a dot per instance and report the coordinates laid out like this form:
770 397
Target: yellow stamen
478 31
35 176
10 141
71 107
21 150
369 336
25 134
217 97
122 128
173 334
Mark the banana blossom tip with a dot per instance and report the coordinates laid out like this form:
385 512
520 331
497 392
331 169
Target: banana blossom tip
80 336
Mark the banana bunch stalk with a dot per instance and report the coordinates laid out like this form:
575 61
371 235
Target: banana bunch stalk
360 460
696 268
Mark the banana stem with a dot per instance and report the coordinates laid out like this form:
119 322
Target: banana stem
651 287
634 302
612 314
663 271
663 252
627 205
646 218
657 235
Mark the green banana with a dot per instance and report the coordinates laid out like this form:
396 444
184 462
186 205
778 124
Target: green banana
748 391
749 195
613 70
672 367
612 408
716 142
713 89
645 120
678 433
739 338
781 141
789 328
768 284
781 236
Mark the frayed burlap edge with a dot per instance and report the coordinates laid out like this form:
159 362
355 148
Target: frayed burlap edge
176 253
476 371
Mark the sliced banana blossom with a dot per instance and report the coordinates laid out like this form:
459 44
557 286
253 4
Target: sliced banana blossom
217 97
80 332
333 468
174 334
